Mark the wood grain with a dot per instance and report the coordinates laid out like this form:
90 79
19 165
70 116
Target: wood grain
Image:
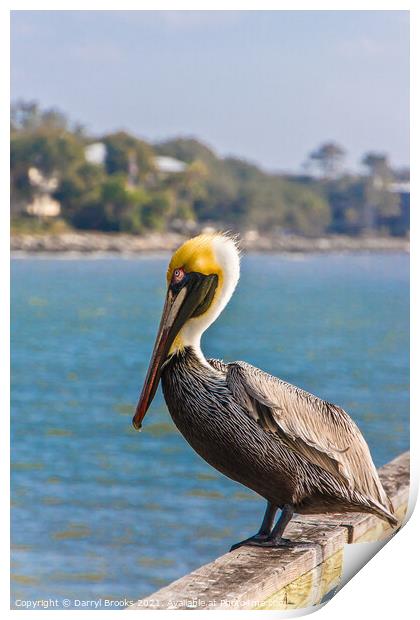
286 578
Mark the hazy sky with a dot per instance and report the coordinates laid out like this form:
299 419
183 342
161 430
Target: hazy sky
266 86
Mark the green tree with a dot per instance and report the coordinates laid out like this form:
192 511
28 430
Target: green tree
49 147
27 116
328 158
183 189
78 191
380 202
306 212
346 197
129 156
187 150
128 193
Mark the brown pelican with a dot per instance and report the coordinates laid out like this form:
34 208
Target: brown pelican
299 452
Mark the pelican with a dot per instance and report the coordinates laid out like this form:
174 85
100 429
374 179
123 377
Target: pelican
300 453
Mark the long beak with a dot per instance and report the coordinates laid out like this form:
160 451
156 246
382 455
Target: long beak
180 305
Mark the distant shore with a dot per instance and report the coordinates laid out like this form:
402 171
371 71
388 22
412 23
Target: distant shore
118 243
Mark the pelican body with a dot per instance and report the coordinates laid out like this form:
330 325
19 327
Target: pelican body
299 452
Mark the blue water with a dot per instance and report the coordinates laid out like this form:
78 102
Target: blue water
102 511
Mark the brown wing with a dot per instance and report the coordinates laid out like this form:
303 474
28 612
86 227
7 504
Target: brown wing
319 431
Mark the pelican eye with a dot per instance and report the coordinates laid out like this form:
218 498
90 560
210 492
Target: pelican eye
178 275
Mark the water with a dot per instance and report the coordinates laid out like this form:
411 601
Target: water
102 511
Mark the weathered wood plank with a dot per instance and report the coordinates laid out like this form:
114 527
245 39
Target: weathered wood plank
308 589
247 576
286 578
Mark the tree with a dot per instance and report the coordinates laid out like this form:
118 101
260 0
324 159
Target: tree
346 197
377 165
187 150
27 116
50 148
128 156
306 211
183 189
380 202
328 158
128 193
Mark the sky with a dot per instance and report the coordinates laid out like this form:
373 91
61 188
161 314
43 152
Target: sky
266 86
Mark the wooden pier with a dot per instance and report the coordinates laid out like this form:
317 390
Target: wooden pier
287 578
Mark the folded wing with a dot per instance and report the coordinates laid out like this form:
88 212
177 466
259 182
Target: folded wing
319 431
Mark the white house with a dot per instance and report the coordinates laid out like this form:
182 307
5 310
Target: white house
95 153
43 205
169 165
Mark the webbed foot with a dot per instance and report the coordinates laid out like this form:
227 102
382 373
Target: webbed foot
255 540
272 543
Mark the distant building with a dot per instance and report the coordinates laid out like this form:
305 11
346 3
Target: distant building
41 182
43 204
401 224
95 153
169 165
400 187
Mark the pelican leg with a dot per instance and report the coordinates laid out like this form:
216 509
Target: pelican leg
273 539
264 531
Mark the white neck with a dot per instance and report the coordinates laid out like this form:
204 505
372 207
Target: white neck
228 258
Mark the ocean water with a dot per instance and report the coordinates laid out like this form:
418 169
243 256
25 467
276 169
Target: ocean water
100 511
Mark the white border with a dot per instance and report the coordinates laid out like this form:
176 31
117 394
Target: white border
387 586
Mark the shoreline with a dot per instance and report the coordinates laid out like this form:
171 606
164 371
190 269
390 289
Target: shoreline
120 244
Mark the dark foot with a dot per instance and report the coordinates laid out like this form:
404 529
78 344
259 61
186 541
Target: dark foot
255 540
283 543
272 543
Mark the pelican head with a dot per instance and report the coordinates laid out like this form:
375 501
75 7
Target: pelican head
201 278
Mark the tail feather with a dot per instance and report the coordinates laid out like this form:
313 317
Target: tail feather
382 504
386 514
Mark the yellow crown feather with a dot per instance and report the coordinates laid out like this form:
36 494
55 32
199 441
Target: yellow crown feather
196 254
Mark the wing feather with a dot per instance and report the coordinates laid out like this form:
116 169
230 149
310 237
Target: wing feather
320 431
219 365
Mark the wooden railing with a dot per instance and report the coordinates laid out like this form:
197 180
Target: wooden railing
286 578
